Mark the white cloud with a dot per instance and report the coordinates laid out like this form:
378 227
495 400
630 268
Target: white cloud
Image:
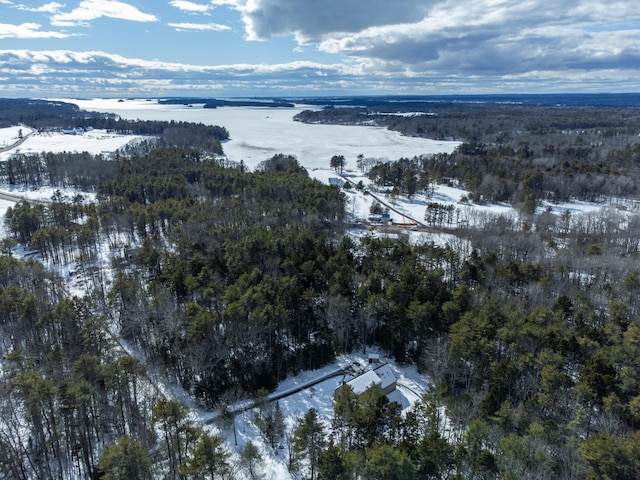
93 61
52 7
192 7
199 26
27 30
98 73
452 48
93 9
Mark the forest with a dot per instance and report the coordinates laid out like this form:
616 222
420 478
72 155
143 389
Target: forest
229 280
516 154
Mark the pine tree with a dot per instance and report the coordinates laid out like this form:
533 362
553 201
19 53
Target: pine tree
208 459
309 440
345 403
251 460
128 459
177 428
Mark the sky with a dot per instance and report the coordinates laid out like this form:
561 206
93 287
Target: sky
227 48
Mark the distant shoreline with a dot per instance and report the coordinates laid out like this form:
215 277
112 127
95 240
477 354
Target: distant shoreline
621 100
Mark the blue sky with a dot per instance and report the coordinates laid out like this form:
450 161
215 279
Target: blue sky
153 48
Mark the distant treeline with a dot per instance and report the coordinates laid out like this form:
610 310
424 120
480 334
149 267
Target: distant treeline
488 123
38 113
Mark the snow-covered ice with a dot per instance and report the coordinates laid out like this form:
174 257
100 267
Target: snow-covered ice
257 134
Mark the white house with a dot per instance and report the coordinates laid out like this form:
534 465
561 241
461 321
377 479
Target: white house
382 376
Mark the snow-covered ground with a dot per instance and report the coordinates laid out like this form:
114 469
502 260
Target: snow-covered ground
358 207
93 141
10 135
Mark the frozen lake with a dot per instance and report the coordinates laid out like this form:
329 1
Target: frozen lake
257 134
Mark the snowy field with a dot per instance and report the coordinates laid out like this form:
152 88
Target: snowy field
10 135
93 141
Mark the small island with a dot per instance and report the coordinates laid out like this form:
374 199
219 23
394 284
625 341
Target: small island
215 103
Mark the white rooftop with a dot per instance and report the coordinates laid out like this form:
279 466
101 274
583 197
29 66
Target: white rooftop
365 381
387 377
382 376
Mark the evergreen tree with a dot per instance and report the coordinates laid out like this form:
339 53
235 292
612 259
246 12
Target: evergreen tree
338 163
384 462
208 459
177 429
127 459
331 465
309 440
251 460
345 403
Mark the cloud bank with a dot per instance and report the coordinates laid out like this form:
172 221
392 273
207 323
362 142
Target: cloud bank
103 74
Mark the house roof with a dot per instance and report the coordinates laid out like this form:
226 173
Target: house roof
382 376
387 377
363 382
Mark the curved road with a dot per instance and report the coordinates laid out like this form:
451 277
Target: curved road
18 143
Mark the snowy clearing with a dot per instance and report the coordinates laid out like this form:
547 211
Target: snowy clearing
93 141
10 135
